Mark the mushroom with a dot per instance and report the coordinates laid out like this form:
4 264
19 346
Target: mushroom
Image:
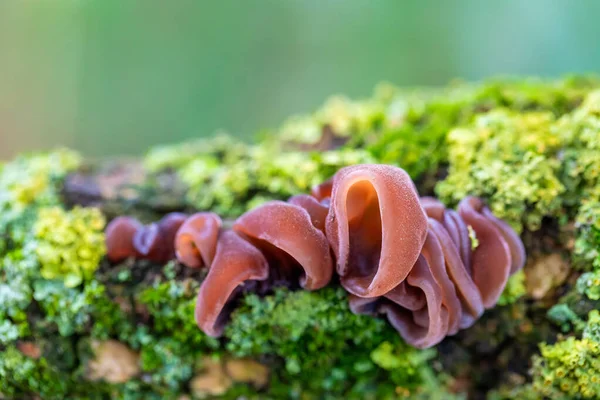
119 238
127 237
376 227
450 284
236 261
317 211
295 248
500 251
408 258
196 240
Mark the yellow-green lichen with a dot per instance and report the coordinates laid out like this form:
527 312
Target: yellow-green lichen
230 181
587 244
569 368
508 158
581 159
69 244
31 179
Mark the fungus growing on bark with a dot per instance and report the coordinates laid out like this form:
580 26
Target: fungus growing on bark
278 243
236 261
126 237
196 240
119 238
294 247
398 255
376 227
450 284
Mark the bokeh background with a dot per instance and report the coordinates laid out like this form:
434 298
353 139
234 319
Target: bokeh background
115 77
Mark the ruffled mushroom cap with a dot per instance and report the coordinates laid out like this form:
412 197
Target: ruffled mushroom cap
423 327
317 211
437 298
119 238
294 247
322 191
127 237
433 253
455 226
236 261
414 308
499 252
450 284
376 227
196 240
467 293
155 242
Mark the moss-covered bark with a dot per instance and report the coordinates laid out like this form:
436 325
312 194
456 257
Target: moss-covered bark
72 325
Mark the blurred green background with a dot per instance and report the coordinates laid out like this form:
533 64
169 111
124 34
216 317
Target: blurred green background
114 77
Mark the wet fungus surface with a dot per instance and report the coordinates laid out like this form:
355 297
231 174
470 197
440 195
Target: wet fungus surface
431 271
126 237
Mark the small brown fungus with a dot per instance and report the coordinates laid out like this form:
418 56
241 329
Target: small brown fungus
236 261
322 191
294 247
317 211
196 240
450 284
126 237
430 270
376 227
500 252
119 238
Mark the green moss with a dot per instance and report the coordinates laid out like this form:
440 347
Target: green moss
26 183
569 368
32 179
69 244
508 158
589 285
587 245
565 318
325 347
15 297
68 309
168 363
171 305
515 289
592 328
581 158
231 179
20 375
519 392
403 362
176 156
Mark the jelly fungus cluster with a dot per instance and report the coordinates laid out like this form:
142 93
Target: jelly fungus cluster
430 270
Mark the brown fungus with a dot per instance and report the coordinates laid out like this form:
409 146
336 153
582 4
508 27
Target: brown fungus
294 247
500 252
119 238
430 270
322 191
126 237
196 240
277 243
317 211
376 228
450 283
236 261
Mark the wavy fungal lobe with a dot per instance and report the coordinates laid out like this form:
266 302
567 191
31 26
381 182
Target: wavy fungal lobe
429 270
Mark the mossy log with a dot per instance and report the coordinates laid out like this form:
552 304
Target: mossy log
74 325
